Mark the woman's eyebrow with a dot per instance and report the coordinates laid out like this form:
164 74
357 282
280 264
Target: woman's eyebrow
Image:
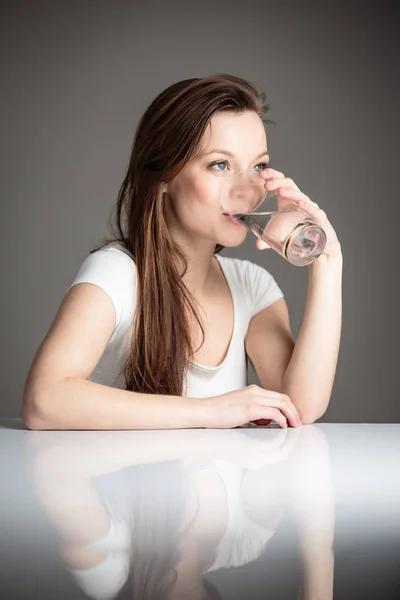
219 151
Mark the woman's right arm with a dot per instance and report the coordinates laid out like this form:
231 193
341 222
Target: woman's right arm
58 395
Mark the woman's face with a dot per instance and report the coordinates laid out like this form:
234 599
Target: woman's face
232 142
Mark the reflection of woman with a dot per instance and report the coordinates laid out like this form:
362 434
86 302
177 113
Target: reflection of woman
156 329
156 528
151 548
178 523
137 549
157 511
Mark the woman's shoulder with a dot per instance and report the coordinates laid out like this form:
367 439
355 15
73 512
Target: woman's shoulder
112 258
115 248
110 263
112 269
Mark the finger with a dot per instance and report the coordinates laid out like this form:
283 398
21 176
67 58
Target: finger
279 418
306 205
268 173
286 183
290 412
261 245
260 412
289 409
296 194
302 201
286 406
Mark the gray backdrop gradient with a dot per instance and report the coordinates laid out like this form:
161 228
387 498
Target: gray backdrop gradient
76 77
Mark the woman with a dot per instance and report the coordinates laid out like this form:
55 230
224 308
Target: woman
156 329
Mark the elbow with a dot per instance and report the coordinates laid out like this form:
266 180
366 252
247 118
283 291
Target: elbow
307 420
310 418
32 420
33 413
309 412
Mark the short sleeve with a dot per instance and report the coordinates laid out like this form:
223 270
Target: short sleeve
113 271
105 580
263 288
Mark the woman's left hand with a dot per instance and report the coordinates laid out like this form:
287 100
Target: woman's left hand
288 189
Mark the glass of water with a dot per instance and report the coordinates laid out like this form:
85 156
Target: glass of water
272 217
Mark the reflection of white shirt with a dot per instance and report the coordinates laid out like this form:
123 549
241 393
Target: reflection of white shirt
242 542
105 580
114 271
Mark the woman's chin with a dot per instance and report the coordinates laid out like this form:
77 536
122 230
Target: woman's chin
230 240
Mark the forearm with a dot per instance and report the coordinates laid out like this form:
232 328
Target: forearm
75 403
309 377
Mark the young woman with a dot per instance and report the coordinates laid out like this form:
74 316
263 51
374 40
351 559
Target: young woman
156 329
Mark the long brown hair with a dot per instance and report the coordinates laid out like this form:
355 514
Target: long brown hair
167 138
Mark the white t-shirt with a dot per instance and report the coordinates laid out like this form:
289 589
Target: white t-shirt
252 287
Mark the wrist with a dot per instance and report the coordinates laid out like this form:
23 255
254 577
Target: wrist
202 411
325 262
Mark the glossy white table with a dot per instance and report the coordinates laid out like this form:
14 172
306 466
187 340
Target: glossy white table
259 513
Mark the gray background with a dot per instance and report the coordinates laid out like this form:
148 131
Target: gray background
76 77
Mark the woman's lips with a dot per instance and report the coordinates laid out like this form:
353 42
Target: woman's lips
230 218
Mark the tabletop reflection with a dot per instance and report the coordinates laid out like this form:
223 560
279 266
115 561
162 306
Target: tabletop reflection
154 514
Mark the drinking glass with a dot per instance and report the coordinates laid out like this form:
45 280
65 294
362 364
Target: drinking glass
272 217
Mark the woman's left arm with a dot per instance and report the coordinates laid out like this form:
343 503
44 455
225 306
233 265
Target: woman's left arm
309 376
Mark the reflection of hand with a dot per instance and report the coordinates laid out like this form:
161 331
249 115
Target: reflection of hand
252 450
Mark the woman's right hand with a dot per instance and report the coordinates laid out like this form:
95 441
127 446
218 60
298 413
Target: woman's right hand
250 404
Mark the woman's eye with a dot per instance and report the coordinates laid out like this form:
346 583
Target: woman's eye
217 163
262 165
